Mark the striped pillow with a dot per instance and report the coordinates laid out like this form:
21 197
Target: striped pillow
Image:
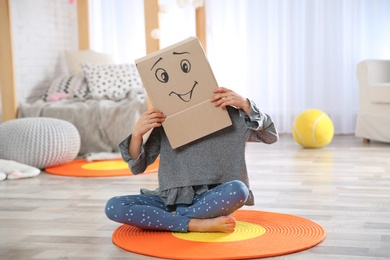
75 86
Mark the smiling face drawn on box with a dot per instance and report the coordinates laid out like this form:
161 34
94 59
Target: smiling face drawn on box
177 77
183 90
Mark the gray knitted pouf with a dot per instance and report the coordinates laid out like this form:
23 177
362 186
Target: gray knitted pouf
39 141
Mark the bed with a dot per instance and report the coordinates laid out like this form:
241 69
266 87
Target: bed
101 99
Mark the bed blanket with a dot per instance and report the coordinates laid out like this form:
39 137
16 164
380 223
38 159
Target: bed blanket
102 124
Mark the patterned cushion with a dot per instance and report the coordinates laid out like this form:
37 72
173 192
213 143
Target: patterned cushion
75 86
111 81
39 141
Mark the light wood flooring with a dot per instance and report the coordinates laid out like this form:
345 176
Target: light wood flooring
345 187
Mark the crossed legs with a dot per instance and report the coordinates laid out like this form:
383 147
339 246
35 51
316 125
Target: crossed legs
209 212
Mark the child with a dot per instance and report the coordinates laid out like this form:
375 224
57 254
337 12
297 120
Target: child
201 183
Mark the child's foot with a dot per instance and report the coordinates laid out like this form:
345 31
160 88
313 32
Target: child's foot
224 224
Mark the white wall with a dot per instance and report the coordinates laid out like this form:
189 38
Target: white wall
42 30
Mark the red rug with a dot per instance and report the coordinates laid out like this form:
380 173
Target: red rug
258 234
104 168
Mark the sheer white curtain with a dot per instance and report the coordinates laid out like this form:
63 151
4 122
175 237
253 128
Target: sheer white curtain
118 28
177 21
292 55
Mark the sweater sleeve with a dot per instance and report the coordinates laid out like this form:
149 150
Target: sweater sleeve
263 127
148 153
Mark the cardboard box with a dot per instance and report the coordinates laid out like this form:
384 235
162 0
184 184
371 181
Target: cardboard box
179 82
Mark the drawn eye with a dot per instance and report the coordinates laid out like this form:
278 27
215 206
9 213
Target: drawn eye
185 66
162 75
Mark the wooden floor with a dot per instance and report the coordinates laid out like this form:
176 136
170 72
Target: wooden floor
345 187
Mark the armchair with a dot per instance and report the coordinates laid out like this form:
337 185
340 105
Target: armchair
373 121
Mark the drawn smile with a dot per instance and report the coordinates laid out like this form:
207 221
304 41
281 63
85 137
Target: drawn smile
186 97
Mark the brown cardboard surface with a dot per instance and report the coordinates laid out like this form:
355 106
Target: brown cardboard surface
180 82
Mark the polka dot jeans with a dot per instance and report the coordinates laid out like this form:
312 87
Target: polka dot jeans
149 212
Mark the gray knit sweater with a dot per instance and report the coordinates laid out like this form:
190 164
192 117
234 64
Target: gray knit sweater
214 159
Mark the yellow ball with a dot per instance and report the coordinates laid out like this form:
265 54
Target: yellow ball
313 129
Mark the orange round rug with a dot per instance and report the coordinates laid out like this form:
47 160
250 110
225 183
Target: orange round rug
258 234
103 168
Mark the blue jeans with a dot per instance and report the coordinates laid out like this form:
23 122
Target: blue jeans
150 212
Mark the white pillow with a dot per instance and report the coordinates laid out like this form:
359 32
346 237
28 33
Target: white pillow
111 81
74 86
75 58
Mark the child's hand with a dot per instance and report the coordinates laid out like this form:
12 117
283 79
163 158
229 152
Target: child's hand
148 120
225 97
